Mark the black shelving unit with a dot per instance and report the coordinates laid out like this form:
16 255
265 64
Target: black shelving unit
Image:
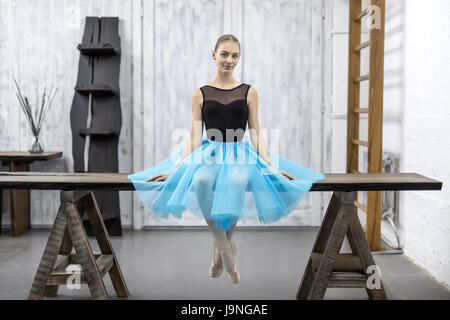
94 49
99 132
95 89
97 98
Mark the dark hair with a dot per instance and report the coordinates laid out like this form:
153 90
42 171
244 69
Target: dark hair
227 37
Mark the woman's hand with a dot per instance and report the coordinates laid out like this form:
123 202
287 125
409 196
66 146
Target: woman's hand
159 177
287 175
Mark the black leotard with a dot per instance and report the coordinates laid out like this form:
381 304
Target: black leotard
225 109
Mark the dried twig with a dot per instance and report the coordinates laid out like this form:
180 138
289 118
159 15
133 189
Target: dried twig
36 122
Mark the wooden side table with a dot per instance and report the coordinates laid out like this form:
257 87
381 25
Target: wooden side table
20 199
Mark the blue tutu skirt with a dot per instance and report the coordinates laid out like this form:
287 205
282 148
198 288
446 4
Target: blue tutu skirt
224 182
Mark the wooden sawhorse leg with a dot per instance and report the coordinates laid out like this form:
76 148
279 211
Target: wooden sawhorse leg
67 233
327 268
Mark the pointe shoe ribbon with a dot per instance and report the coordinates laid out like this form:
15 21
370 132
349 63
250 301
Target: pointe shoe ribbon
214 271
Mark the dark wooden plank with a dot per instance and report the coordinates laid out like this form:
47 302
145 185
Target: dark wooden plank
375 181
331 251
60 276
105 262
75 259
119 181
93 132
66 181
327 224
57 278
62 263
50 255
83 249
319 245
345 262
347 280
66 246
95 89
51 290
98 81
363 251
105 245
351 241
107 113
96 49
306 282
79 109
26 156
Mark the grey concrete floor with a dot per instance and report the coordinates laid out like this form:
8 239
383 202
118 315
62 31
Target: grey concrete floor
173 264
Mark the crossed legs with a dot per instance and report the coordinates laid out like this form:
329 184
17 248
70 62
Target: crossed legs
221 237
203 181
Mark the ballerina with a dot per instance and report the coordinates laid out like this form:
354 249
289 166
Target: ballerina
223 178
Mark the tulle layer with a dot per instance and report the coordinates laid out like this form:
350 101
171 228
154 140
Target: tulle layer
224 182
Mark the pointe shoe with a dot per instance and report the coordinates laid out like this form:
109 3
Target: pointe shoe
214 271
234 275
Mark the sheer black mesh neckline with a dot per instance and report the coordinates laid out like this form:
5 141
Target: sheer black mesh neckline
225 96
225 109
224 89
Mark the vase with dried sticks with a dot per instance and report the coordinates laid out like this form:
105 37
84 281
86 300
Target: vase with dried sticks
40 111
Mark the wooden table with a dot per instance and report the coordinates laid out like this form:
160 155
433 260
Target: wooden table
326 267
20 199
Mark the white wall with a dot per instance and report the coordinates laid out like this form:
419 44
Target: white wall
415 116
38 41
426 134
285 69
166 46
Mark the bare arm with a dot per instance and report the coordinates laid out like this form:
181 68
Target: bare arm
255 135
253 124
195 138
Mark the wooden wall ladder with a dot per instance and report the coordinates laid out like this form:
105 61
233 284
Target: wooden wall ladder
375 12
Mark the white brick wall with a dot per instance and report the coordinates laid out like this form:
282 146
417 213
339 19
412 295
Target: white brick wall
426 132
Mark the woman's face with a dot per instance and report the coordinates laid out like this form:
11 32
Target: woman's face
227 56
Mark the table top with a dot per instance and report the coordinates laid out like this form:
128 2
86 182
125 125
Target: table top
27 156
119 181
